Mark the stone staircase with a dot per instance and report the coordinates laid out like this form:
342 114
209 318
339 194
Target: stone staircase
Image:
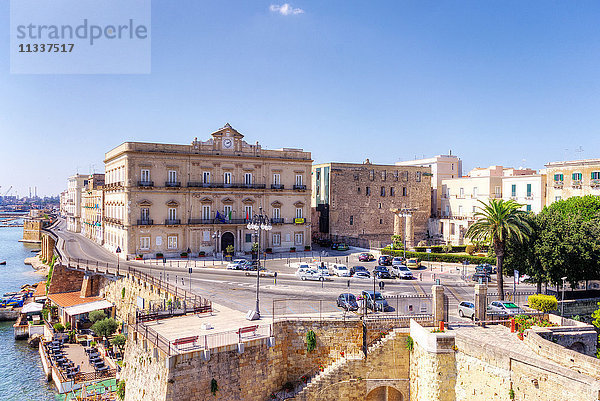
342 369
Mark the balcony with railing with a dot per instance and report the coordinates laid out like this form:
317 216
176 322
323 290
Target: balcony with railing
299 187
217 221
145 222
146 184
201 221
277 186
195 184
529 196
576 183
172 184
172 222
595 182
558 184
277 220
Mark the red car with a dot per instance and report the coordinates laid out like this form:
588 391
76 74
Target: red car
365 257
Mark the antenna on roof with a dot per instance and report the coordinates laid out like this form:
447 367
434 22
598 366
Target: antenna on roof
450 152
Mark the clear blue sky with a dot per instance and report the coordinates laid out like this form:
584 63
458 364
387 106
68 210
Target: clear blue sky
512 83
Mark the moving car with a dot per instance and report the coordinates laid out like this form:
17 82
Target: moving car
236 264
402 272
466 309
323 270
334 245
375 301
504 308
312 274
342 247
384 260
413 263
365 257
356 269
341 271
347 301
382 272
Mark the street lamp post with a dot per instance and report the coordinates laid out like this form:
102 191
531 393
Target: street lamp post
216 236
258 223
118 251
562 304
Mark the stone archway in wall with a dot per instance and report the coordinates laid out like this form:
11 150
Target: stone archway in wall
227 239
578 346
384 393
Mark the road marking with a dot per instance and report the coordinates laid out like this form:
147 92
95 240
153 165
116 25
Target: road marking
453 292
418 288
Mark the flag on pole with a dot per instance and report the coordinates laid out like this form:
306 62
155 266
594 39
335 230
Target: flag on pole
229 216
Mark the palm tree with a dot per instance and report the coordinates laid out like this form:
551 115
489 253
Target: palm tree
497 222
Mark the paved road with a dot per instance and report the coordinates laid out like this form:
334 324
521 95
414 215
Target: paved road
236 290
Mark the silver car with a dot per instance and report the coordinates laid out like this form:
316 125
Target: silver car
466 309
504 308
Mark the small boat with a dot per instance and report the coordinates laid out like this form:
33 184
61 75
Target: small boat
3 262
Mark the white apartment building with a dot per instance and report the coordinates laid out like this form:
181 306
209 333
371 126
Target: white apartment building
528 190
73 201
442 167
461 197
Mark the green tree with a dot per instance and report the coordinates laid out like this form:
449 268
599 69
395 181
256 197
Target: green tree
119 341
96 315
498 221
105 327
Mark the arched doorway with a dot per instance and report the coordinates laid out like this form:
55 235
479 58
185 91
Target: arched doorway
226 240
578 347
384 393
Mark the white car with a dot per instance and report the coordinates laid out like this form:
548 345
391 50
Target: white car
235 264
323 270
341 271
401 271
311 274
362 275
504 308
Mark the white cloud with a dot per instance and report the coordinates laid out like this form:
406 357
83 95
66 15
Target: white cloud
285 9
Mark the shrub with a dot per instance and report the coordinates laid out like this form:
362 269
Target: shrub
440 257
293 249
269 250
307 248
119 341
214 387
58 327
121 390
470 249
68 325
96 315
230 249
442 248
544 303
123 292
311 341
410 343
45 312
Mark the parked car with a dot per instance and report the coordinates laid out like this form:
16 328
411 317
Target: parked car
485 268
375 301
466 309
341 271
413 263
302 267
485 277
312 274
384 260
382 272
504 308
323 270
356 269
362 275
365 257
236 264
342 247
347 301
334 245
398 260
401 271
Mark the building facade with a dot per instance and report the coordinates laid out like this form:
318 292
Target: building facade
355 200
92 206
572 178
528 190
442 167
461 197
167 198
75 185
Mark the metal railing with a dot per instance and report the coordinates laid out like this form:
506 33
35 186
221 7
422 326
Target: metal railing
145 222
300 187
277 186
172 184
145 183
172 222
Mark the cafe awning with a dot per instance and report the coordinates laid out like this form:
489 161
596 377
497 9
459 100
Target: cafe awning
87 307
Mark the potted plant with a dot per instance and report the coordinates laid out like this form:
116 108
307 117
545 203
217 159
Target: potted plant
139 257
307 247
269 250
293 249
183 254
304 379
201 254
321 368
159 255
229 251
